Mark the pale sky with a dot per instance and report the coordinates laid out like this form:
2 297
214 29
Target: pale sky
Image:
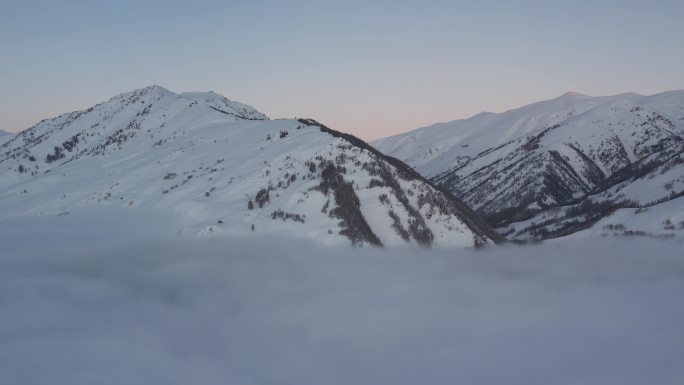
372 68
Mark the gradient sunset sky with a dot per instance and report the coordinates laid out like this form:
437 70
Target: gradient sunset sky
372 68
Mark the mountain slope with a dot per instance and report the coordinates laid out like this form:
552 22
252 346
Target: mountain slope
558 166
224 167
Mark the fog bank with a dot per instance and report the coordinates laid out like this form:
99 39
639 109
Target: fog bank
124 303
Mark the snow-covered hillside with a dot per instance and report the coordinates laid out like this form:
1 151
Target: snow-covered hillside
558 166
223 167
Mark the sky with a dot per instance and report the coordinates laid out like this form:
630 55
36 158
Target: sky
372 68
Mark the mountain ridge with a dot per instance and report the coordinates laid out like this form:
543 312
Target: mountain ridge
526 164
224 168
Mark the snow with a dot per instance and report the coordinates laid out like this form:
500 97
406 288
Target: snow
432 149
106 296
571 148
199 156
665 220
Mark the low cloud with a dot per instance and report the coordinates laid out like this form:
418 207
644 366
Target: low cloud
87 305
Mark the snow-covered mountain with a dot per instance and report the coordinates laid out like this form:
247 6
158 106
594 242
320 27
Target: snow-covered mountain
224 167
559 166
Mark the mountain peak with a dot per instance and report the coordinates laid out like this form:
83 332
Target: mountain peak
156 87
156 94
140 92
224 168
558 166
572 94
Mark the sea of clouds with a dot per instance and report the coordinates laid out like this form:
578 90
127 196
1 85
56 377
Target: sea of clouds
116 299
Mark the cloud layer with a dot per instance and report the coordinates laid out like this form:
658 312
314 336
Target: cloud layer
80 304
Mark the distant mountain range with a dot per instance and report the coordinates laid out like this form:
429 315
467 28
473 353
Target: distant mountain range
556 167
224 168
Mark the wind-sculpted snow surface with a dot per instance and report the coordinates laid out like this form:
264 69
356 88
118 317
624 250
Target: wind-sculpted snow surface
559 166
87 299
225 169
